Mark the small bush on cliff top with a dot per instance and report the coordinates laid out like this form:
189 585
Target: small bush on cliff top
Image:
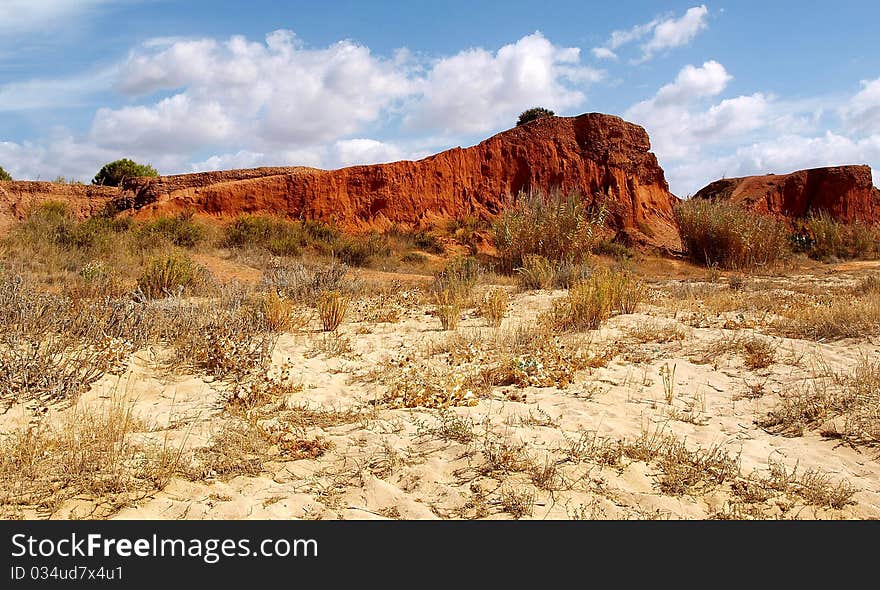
722 234
533 114
114 173
4 175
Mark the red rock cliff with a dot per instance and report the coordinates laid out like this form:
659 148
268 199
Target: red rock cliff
83 200
844 192
595 154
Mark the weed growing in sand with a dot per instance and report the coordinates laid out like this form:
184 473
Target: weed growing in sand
449 426
843 405
448 309
331 309
494 307
305 283
517 502
90 455
758 353
668 376
590 303
457 278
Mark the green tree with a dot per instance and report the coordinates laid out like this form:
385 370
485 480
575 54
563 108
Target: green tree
4 175
532 114
114 173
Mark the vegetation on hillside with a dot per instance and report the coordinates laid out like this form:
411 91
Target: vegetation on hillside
114 173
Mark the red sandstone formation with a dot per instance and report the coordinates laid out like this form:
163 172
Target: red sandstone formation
844 192
83 200
600 156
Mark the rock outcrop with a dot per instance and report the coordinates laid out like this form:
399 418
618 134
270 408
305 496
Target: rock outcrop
846 193
600 156
20 196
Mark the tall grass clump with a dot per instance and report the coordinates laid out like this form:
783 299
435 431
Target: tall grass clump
727 236
557 226
458 278
331 308
827 239
593 301
167 275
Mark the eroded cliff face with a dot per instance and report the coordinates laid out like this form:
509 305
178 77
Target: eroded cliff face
600 156
17 198
846 193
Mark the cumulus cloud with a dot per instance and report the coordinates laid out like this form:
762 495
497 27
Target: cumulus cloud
477 90
657 35
197 104
862 113
680 120
700 136
279 92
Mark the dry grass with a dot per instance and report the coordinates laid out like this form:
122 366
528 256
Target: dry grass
536 273
831 319
590 303
843 405
331 310
447 308
723 234
89 455
495 304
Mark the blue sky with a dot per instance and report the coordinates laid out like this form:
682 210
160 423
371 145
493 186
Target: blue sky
724 89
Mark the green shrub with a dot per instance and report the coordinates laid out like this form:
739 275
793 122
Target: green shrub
428 242
164 275
723 234
114 173
360 250
280 237
533 114
556 226
4 175
180 230
614 249
825 239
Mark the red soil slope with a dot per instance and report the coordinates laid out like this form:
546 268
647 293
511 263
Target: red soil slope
601 156
83 200
844 192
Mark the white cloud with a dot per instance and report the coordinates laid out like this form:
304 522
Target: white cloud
778 155
673 32
476 90
679 120
23 16
659 34
603 53
177 124
278 93
699 138
862 113
366 151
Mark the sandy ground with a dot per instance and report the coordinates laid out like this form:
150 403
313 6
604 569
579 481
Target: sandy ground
512 453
